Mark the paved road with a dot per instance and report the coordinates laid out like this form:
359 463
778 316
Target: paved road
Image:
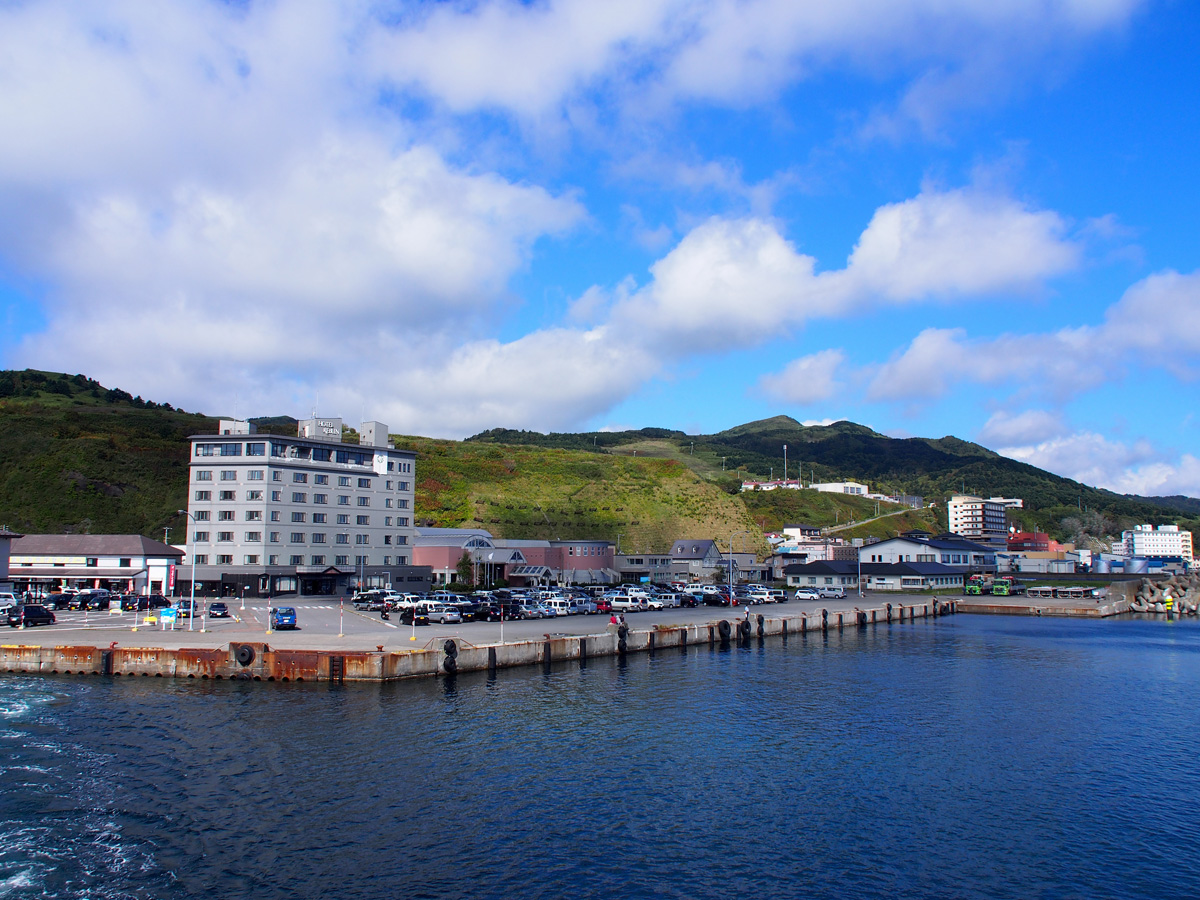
327 624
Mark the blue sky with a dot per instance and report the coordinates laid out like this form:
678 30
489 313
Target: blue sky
928 216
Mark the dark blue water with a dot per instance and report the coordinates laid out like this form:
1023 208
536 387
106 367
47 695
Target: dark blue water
969 756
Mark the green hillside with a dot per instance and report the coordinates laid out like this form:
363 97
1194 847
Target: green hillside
76 456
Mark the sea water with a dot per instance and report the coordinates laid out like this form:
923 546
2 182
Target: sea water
967 756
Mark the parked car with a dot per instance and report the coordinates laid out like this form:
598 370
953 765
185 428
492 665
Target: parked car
57 601
445 614
369 600
691 600
153 601
832 593
282 617
711 598
604 605
558 606
185 606
218 610
807 593
417 612
583 606
29 614
99 601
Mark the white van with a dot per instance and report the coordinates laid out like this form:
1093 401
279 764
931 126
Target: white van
561 607
623 601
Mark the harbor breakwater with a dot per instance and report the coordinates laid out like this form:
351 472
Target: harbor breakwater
258 661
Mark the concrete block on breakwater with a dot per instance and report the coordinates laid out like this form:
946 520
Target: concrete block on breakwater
258 661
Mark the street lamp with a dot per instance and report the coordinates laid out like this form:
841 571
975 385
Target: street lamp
192 541
731 537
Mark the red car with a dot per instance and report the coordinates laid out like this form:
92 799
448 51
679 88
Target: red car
603 606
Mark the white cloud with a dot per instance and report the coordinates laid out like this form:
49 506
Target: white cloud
1093 459
1155 324
1028 427
808 379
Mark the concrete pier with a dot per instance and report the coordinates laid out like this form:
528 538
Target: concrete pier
259 661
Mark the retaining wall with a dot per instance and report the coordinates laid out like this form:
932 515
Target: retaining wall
258 662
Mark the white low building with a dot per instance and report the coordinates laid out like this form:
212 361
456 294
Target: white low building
1163 542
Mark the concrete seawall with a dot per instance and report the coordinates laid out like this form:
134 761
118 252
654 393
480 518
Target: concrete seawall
257 661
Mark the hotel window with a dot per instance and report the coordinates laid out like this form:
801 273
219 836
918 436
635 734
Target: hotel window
274 537
402 560
278 449
387 560
297 537
387 501
343 539
277 476
343 500
253 537
321 455
320 498
364 501
200 515
297 560
387 520
362 560
319 518
341 560
298 517
259 449
201 537
402 486
387 539
224 536
402 539
364 482
362 539
299 497
204 474
227 496
318 537
231 449
401 521
343 481
202 559
206 449
254 495
389 485
343 519
276 496
300 477
362 520
402 504
320 479
317 560
250 559
225 515
272 560
229 474
274 515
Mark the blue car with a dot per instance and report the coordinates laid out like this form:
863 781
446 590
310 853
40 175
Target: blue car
282 617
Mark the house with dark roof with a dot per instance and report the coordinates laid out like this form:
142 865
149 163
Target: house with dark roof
126 563
945 549
693 559
900 576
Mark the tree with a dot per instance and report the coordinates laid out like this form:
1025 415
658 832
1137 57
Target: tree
464 570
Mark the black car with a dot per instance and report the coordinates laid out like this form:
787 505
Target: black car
57 601
218 610
29 614
409 612
99 601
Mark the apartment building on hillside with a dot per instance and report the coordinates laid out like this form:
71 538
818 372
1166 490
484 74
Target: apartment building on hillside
979 520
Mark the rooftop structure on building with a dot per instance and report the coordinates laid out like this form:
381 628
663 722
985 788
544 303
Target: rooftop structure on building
310 514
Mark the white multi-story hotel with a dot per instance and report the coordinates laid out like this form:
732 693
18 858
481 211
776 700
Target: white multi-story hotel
979 520
308 514
1163 542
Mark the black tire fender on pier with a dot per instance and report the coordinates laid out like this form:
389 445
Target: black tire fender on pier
244 655
450 664
451 649
761 626
723 629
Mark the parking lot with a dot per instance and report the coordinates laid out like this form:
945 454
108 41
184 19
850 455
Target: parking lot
327 623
